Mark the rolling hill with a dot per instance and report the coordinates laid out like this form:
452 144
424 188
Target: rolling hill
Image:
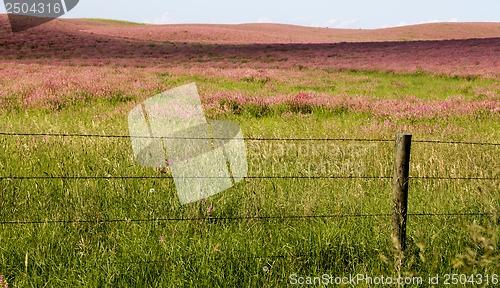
453 48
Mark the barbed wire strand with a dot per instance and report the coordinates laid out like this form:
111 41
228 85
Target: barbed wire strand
168 177
167 259
219 257
456 142
187 138
451 214
206 219
245 139
242 218
9 178
455 178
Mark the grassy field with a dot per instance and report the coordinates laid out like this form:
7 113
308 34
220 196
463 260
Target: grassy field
134 232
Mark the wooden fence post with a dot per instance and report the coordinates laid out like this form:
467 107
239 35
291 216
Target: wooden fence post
400 195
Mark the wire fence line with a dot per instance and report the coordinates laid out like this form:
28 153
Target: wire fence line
186 138
11 134
241 218
187 177
228 219
261 218
225 257
216 257
9 178
456 142
454 178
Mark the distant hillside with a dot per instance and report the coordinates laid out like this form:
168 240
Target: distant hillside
455 48
272 33
280 33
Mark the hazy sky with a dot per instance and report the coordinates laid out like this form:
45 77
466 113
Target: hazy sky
320 13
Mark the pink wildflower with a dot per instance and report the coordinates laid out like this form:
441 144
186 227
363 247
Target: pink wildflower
3 282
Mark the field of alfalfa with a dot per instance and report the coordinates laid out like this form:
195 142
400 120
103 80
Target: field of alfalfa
79 211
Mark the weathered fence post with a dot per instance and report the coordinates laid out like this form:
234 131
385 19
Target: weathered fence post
400 195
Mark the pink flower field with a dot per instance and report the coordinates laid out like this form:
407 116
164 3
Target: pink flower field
403 108
77 61
473 50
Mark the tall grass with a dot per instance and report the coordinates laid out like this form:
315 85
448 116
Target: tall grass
67 235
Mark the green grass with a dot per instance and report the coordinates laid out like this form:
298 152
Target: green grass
207 252
382 85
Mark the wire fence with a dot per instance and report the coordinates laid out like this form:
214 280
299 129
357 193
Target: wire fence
246 177
228 219
215 220
243 139
247 218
